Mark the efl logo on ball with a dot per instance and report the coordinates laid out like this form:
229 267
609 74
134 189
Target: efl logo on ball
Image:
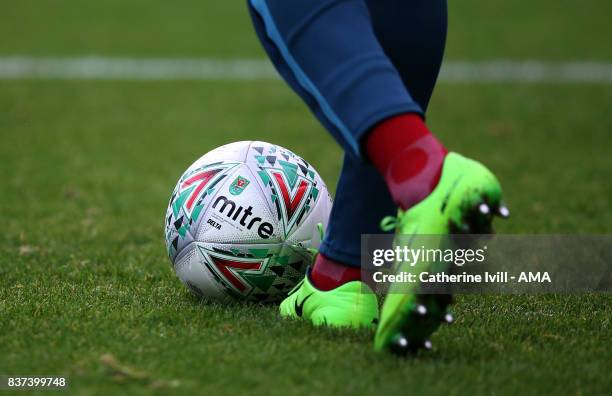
238 185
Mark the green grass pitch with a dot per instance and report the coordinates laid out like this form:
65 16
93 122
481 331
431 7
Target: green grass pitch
86 169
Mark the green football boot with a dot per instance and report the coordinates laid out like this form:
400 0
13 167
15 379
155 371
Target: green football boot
465 200
350 305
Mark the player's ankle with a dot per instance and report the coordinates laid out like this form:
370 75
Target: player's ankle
408 156
327 274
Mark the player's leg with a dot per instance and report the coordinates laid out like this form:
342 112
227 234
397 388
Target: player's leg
332 292
328 53
418 63
437 193
413 35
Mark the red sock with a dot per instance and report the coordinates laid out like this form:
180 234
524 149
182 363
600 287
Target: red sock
408 156
327 274
410 159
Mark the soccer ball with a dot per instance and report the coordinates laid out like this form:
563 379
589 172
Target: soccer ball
243 221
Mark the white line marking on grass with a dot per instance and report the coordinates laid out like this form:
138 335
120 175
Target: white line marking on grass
99 68
103 68
530 71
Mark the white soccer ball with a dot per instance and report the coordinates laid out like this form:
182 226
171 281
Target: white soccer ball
242 220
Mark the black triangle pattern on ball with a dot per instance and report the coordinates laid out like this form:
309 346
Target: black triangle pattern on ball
278 270
297 265
259 149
